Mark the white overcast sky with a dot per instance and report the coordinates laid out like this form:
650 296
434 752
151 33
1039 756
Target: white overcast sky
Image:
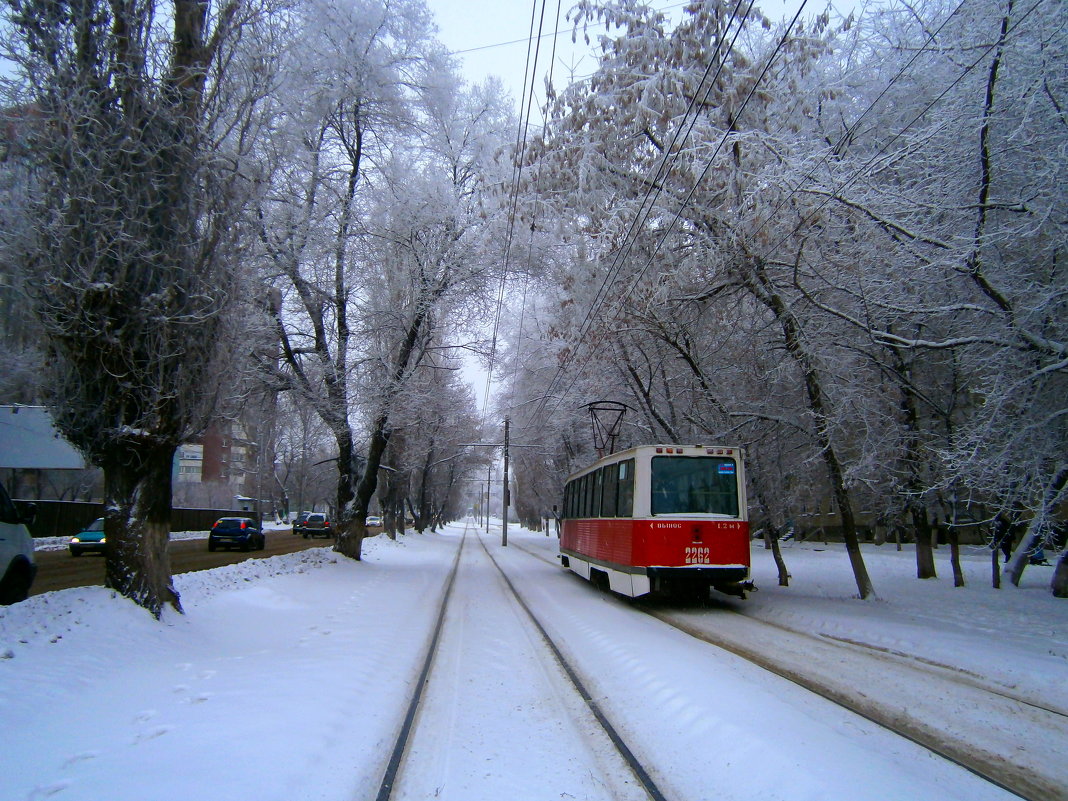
491 38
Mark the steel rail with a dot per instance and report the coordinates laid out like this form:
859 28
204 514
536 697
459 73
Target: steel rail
385 789
1018 782
639 771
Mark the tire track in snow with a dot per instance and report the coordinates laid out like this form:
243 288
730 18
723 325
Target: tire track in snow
983 753
486 656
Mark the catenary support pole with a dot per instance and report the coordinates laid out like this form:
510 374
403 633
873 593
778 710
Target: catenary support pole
504 495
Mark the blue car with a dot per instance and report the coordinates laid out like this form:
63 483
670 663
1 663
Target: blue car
236 532
89 540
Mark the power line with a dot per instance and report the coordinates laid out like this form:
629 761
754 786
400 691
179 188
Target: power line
632 231
851 129
553 33
650 195
871 160
808 177
534 43
534 215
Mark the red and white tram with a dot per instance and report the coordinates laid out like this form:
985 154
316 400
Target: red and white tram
661 519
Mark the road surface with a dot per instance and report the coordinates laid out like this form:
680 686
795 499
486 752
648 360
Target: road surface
58 570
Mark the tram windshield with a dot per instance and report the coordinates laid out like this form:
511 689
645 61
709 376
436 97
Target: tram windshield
694 485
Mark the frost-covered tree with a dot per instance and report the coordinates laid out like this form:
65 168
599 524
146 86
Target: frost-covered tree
866 221
434 423
20 332
956 175
677 151
371 226
142 115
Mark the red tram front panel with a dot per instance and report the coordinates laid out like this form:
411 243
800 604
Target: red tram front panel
624 544
679 543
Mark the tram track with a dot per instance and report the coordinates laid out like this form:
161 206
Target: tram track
385 789
969 752
401 750
639 771
978 752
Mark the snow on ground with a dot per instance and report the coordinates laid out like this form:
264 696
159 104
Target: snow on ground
287 678
1015 636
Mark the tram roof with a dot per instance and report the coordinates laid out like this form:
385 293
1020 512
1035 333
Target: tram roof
660 448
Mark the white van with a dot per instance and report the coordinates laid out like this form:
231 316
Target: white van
17 568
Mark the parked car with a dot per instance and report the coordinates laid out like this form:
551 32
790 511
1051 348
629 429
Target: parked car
373 521
317 525
298 524
89 540
17 565
236 532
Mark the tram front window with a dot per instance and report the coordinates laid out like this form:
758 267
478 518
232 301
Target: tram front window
694 485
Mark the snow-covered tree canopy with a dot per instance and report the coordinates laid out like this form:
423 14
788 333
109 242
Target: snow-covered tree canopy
838 242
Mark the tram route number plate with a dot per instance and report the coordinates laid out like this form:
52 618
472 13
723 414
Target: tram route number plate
697 555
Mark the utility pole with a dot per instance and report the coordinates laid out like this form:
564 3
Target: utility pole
489 480
504 495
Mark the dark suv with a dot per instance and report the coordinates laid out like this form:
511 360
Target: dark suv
317 525
298 524
236 532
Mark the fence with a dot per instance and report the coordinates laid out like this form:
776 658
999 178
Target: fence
66 518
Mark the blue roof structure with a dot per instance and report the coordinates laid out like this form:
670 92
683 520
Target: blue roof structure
29 440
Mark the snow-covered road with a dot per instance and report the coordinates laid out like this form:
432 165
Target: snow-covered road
499 716
287 678
974 717
711 725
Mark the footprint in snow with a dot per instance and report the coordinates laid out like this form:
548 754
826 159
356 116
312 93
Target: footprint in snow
152 734
84 756
48 790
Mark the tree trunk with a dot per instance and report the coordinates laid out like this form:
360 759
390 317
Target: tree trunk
954 551
424 514
1059 585
776 553
137 524
1033 538
910 417
849 534
757 281
1002 534
352 534
1014 570
346 480
925 563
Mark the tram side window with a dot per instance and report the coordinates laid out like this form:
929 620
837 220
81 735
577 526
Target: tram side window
584 496
598 488
625 492
608 494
